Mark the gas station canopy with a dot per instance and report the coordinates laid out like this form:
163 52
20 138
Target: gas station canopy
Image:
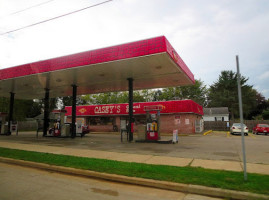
151 63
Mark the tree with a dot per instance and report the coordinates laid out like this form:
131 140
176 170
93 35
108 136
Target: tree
22 108
147 94
112 97
61 102
196 92
157 95
261 105
4 102
31 108
224 93
35 109
103 98
265 114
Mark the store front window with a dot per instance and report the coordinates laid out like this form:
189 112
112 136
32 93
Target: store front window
140 119
101 120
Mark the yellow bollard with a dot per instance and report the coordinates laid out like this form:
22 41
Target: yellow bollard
207 132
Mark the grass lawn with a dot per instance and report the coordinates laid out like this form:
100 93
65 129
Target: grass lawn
189 175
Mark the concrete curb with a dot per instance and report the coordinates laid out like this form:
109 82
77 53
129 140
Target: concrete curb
187 188
118 133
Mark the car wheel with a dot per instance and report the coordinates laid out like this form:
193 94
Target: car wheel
257 133
246 134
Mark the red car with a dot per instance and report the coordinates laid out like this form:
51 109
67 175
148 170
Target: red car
261 128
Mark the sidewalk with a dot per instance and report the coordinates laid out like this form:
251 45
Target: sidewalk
148 159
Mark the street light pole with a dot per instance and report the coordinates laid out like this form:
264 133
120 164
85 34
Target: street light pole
241 117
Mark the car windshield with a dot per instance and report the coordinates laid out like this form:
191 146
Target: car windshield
263 125
238 125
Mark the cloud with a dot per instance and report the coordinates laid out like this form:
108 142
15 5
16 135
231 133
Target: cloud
265 93
265 75
207 34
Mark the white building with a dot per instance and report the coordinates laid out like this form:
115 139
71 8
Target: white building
216 114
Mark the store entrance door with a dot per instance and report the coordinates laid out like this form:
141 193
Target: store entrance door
199 126
123 123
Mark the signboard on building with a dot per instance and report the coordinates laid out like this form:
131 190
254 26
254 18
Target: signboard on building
183 106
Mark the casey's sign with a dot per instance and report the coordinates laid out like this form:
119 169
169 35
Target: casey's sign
111 109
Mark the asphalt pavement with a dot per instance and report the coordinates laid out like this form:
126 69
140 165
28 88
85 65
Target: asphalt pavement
21 183
217 150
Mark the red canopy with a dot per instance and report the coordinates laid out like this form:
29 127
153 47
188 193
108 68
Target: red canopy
152 63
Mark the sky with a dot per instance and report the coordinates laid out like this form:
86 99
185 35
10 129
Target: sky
207 34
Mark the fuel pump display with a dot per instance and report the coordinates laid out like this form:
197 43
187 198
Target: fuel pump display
153 122
58 127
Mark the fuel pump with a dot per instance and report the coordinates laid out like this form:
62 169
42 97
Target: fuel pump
153 122
58 127
3 126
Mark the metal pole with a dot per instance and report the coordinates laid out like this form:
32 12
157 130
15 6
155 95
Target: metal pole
46 112
130 80
10 118
74 114
241 117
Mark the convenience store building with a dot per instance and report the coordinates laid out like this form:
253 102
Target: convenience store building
183 115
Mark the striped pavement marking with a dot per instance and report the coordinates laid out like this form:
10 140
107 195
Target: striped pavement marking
207 132
252 136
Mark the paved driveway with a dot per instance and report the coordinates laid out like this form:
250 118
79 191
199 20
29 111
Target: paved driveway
214 146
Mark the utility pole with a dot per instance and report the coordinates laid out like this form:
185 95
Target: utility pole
241 117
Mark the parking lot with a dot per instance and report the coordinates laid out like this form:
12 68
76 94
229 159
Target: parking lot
213 146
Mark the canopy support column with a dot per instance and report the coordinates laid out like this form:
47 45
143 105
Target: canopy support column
46 111
10 116
74 114
131 120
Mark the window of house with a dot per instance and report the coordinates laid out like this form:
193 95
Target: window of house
219 119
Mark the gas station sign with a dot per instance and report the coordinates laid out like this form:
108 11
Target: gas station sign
187 106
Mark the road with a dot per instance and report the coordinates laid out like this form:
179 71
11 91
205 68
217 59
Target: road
30 184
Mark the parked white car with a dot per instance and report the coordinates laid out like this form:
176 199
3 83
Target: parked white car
236 129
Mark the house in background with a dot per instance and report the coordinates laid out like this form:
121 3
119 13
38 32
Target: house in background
216 114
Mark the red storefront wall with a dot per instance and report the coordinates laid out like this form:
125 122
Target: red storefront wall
183 122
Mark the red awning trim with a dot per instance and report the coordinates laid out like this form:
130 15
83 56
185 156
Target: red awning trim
174 55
